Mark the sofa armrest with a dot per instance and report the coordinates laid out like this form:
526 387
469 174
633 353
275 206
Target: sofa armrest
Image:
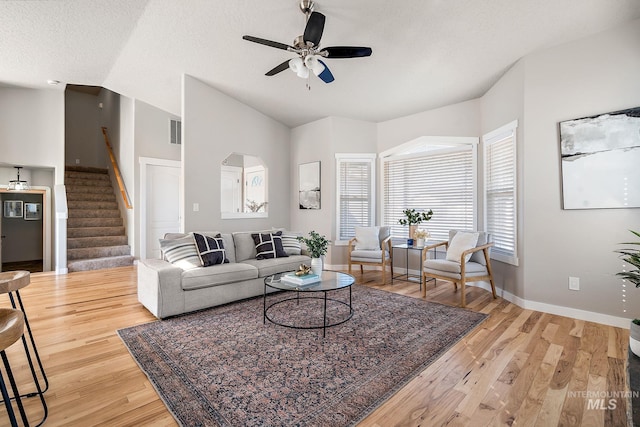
160 287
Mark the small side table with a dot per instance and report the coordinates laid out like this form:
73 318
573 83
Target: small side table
412 277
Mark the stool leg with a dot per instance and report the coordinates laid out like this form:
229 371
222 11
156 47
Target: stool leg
33 345
14 387
7 403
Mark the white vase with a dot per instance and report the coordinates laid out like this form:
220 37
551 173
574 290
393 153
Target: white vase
316 266
420 243
634 339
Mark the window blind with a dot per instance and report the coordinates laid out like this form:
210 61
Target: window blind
355 188
443 182
500 184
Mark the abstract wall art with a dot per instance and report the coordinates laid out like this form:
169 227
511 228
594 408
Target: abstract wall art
601 161
309 185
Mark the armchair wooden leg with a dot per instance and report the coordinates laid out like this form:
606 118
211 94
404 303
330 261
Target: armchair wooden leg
463 297
493 288
384 276
361 269
349 265
423 283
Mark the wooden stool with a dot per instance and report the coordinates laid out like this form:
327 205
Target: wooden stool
11 329
10 283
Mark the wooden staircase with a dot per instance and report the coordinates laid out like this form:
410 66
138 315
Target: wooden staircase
96 237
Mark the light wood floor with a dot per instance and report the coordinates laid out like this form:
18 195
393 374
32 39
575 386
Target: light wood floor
520 367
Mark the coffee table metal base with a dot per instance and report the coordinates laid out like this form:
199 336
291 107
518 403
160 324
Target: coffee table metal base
297 298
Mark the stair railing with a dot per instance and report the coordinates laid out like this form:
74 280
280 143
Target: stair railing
116 170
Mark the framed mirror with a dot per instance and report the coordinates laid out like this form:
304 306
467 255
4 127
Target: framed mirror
243 187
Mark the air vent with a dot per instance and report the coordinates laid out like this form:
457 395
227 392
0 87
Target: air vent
176 131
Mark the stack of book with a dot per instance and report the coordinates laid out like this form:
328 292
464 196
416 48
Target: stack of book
306 279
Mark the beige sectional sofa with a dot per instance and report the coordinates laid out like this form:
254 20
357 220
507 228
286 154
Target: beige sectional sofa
167 290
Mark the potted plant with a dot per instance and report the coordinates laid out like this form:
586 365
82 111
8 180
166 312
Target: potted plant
413 219
421 235
317 246
631 256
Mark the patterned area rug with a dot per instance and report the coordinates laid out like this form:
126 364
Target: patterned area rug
224 367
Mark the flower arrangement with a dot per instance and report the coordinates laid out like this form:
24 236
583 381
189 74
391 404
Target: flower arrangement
415 218
421 234
316 244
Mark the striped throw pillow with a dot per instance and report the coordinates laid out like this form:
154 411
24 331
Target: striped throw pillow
181 252
291 244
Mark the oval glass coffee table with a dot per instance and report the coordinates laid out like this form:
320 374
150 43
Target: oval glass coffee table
330 281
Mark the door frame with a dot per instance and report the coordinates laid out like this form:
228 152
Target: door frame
46 221
144 163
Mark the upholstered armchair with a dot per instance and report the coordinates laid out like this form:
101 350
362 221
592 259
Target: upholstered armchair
468 260
371 246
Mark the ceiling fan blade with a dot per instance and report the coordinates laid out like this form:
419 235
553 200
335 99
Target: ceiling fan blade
267 42
325 75
346 52
278 68
315 27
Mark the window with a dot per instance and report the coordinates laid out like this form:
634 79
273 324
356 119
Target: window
355 193
435 173
500 191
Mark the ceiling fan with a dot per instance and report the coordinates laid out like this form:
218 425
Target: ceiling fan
307 47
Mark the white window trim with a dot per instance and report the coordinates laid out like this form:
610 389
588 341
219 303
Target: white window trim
396 153
486 140
355 157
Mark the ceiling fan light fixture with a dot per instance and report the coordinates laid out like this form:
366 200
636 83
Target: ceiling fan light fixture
298 67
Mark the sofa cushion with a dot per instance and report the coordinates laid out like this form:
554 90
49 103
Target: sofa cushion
210 249
217 275
245 246
267 267
269 245
368 256
181 252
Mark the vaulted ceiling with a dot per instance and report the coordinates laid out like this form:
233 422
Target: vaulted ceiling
426 53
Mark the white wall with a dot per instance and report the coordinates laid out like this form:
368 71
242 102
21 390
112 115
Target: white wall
502 104
150 130
32 135
594 75
462 119
320 141
213 126
83 137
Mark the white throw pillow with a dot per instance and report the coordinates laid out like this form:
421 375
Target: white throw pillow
461 242
367 238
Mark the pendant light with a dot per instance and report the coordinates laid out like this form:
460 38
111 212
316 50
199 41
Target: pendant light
18 184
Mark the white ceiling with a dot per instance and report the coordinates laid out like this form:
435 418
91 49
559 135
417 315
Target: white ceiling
426 53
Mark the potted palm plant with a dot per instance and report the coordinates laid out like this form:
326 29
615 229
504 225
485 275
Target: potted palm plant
631 255
317 246
413 219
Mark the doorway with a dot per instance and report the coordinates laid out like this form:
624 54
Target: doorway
160 196
22 231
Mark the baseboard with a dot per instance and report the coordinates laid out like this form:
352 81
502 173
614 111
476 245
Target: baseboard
559 310
575 313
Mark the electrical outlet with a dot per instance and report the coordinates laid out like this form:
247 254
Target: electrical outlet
574 283
196 207
77 161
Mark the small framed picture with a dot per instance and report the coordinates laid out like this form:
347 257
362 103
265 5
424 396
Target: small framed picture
32 211
13 208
